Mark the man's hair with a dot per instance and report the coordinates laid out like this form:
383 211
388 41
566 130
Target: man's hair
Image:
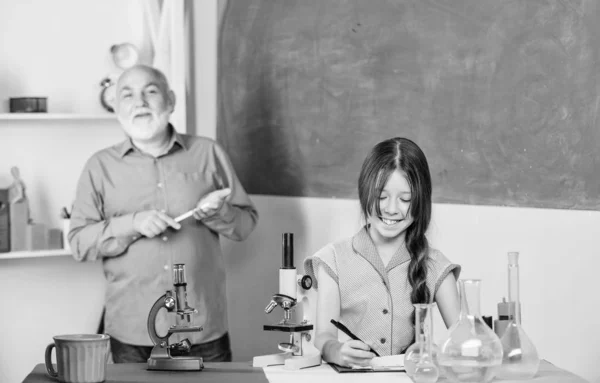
159 75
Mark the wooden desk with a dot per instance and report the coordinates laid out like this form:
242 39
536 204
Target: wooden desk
244 372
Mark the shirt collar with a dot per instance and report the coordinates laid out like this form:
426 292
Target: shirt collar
363 244
127 145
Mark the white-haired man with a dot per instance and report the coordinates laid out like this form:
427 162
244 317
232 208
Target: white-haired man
126 199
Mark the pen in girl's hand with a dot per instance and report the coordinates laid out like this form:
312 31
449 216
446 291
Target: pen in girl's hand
346 331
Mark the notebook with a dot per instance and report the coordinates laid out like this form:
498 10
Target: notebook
388 363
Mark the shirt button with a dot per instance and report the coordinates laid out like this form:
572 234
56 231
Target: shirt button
166 267
165 238
382 340
385 311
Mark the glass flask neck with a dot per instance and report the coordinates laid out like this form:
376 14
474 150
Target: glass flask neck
421 314
513 285
469 297
425 369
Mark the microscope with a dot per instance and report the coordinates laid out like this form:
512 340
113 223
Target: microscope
299 352
174 301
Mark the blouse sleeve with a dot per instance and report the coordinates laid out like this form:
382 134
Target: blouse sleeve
438 269
324 258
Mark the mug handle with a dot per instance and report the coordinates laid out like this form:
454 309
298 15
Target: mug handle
49 368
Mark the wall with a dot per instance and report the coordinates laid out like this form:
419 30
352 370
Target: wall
57 295
58 49
70 48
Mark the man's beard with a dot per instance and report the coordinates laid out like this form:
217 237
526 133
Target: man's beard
154 124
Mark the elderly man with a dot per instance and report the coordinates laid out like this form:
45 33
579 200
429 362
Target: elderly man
123 214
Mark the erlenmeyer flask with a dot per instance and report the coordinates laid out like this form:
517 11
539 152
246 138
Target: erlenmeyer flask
472 352
423 333
520 358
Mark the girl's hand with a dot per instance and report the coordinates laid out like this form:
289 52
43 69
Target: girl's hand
354 353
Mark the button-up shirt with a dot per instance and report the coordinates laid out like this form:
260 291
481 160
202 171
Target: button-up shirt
121 180
374 298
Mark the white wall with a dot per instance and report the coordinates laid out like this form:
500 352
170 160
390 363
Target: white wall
50 296
60 50
57 49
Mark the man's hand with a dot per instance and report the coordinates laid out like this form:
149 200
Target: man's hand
151 223
211 203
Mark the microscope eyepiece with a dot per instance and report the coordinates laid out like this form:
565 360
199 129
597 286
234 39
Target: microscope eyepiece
288 251
179 274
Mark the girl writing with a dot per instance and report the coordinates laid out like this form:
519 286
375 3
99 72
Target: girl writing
369 282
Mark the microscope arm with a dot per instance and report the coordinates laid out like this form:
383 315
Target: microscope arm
166 301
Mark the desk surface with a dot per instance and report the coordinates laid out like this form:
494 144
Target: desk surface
244 372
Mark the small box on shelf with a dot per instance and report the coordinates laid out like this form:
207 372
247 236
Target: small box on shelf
28 105
4 221
36 237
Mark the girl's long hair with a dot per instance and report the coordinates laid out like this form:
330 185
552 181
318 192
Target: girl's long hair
404 155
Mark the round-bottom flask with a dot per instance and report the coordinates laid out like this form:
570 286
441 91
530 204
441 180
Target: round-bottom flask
472 352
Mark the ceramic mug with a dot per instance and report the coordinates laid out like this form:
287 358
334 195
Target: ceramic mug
79 358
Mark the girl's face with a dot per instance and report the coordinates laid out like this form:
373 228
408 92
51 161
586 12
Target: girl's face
394 204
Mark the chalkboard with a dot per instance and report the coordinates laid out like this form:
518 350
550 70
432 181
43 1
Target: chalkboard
502 96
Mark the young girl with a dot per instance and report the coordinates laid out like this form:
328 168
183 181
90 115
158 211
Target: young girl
370 281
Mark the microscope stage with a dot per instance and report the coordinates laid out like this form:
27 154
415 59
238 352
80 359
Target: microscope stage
291 327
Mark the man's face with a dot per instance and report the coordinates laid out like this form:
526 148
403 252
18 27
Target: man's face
144 104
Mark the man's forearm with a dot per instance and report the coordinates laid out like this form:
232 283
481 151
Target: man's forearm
108 238
233 222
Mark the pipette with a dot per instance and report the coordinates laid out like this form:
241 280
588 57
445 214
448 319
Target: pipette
185 215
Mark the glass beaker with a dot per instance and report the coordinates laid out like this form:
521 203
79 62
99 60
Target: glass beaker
423 335
520 358
472 352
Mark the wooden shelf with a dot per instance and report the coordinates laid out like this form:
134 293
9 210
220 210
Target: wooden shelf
35 254
55 116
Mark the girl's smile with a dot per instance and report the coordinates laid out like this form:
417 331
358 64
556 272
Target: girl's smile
390 222
394 216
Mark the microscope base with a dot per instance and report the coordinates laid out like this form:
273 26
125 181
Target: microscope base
176 364
288 359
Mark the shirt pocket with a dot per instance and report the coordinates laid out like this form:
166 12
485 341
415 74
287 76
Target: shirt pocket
187 188
209 179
